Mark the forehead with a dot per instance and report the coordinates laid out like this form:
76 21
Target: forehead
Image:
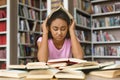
59 23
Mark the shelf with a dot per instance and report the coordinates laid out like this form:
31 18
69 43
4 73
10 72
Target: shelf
107 42
3 19
3 60
3 32
87 56
106 57
87 42
34 8
3 6
82 11
106 28
83 27
27 57
104 14
98 1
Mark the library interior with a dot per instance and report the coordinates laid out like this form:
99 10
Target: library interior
97 25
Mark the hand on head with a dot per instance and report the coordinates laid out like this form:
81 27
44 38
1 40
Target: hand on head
44 26
72 25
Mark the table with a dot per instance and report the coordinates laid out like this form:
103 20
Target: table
88 77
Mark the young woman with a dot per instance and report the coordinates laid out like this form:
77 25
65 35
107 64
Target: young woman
58 39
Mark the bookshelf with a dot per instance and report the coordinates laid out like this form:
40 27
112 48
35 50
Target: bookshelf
83 30
3 34
105 29
6 37
31 14
82 17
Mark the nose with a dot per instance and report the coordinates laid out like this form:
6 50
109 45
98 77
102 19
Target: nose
59 31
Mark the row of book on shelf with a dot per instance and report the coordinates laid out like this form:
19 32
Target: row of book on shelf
2 13
26 38
114 6
3 2
83 20
84 5
26 50
106 22
98 36
2 39
29 13
2 53
2 65
106 51
26 25
33 3
63 68
2 26
83 35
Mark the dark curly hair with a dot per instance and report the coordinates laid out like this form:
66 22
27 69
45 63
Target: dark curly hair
61 14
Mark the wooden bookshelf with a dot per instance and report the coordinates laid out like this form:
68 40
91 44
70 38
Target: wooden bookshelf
7 42
31 14
105 29
83 30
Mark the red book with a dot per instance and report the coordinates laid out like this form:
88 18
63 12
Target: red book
3 66
2 39
2 13
2 26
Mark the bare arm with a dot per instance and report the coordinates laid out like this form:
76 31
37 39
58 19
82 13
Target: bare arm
76 47
43 45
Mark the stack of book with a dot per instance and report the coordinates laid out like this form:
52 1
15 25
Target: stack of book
77 69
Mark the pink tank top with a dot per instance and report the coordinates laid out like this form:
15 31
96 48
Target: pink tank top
54 53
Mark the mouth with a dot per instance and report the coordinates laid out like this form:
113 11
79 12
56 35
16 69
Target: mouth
60 37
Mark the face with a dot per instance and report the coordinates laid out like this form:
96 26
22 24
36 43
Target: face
59 29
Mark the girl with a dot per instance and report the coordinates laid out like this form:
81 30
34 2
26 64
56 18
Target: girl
58 39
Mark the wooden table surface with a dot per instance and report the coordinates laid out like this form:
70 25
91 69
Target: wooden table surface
88 77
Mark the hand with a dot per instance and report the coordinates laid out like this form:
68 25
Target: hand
72 26
44 26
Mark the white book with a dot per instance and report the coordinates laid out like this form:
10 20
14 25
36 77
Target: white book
13 73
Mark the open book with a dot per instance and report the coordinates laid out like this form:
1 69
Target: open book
88 66
63 9
63 62
13 73
53 63
109 71
30 66
55 73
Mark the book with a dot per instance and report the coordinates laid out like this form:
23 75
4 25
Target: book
69 60
13 73
115 66
55 73
63 62
107 73
67 74
88 66
62 9
30 66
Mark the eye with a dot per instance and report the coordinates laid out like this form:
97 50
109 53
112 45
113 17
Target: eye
63 29
55 28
